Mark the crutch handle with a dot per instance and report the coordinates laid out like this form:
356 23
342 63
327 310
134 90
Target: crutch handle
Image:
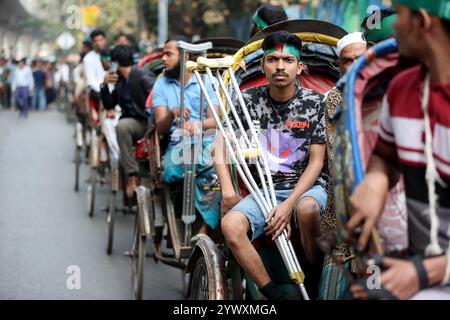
252 153
297 277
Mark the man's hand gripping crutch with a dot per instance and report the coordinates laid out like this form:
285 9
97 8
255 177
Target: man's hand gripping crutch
266 198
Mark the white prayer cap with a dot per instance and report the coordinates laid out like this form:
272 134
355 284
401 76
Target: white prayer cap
351 38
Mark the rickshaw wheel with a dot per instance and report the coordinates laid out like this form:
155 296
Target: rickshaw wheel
91 192
138 256
87 139
111 220
185 278
235 282
199 289
77 168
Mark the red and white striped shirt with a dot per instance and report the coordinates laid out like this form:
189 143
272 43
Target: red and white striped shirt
402 125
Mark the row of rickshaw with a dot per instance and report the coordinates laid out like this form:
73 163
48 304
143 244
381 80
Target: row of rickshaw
165 212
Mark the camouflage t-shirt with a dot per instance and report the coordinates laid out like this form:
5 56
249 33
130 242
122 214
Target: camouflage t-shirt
287 130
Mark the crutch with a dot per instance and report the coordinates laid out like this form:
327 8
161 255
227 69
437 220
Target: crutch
266 199
190 149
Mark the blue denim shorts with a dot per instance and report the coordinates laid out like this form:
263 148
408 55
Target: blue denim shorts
251 210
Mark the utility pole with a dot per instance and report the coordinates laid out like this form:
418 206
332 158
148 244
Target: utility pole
162 21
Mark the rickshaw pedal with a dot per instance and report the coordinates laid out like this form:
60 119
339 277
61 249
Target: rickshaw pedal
132 211
185 252
128 254
167 255
227 254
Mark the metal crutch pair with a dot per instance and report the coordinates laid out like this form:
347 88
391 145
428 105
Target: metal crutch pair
191 148
266 199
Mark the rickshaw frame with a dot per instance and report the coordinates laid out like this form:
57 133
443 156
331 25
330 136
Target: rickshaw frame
154 197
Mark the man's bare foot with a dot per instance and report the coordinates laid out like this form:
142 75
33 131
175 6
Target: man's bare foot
132 185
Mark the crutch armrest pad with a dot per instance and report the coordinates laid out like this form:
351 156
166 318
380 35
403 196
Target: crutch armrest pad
190 47
191 66
222 63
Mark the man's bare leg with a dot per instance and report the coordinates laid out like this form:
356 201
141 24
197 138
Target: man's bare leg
235 227
308 217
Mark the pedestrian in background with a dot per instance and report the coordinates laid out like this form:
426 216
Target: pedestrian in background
39 101
50 88
22 86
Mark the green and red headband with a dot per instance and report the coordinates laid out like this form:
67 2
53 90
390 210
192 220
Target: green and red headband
287 48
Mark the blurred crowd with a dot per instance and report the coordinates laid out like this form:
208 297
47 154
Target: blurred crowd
32 83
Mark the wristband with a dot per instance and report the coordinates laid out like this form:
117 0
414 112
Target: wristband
421 271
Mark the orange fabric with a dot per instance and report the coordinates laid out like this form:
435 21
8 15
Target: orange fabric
149 102
94 107
94 104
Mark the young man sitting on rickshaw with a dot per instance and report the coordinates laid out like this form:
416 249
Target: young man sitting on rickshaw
166 104
293 137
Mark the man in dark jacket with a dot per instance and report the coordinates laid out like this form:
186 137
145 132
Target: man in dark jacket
128 88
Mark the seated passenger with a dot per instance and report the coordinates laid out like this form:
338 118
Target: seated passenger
111 121
131 88
166 105
293 139
94 72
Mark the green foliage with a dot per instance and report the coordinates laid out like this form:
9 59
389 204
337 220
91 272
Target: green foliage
206 18
118 17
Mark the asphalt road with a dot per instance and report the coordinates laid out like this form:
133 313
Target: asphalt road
45 228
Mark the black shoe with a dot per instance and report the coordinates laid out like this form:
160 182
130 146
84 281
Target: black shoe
272 292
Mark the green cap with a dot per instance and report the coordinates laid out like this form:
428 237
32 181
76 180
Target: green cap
439 8
385 31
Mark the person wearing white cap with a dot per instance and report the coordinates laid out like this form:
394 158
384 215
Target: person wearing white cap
350 48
